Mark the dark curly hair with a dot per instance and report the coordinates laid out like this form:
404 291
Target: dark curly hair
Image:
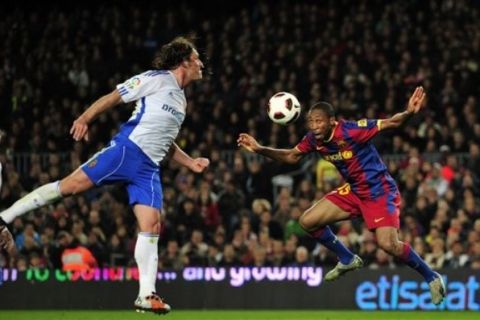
173 53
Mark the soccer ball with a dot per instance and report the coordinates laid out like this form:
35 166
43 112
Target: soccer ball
283 108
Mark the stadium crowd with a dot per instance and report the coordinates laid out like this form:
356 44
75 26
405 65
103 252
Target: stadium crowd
363 58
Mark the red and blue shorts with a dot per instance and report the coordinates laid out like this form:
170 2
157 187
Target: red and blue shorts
383 211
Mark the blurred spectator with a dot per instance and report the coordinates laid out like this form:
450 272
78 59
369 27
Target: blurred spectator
327 174
269 226
289 251
282 212
260 257
230 201
437 258
169 258
97 248
188 219
229 257
28 234
258 206
456 256
474 158
302 258
195 250
75 257
436 180
293 226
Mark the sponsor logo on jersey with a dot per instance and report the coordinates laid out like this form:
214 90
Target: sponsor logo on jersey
341 155
177 114
347 154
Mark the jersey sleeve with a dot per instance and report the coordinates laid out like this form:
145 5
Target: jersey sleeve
140 86
363 130
307 144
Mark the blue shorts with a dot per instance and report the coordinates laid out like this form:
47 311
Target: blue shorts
124 161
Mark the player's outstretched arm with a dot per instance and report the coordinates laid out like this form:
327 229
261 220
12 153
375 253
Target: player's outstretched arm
284 155
415 104
79 128
195 164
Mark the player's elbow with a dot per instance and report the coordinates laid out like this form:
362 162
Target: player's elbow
291 159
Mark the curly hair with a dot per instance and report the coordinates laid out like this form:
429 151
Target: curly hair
172 54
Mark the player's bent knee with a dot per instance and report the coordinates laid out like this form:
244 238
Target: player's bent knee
153 228
303 221
308 222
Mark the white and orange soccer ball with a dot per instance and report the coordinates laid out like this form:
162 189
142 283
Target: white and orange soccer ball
283 108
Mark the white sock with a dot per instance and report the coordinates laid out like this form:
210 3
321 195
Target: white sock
39 197
146 255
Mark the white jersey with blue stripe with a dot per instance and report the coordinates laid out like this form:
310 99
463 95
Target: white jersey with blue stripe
159 112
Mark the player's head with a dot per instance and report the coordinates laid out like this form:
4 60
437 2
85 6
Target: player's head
180 53
321 119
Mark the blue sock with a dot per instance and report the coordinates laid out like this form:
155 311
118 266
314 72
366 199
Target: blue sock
326 237
413 260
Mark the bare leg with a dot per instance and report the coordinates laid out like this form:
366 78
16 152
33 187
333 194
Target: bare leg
321 214
75 183
315 221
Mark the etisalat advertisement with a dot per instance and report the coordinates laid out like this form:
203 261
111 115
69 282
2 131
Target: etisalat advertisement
373 290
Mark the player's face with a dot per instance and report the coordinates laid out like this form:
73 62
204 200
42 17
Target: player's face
320 123
194 66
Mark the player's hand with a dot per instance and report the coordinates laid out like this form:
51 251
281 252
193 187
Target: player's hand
416 101
248 142
199 164
79 129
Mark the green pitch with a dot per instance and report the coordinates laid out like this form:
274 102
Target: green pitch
235 315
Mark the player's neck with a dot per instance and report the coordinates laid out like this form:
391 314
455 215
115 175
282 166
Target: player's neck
181 77
330 134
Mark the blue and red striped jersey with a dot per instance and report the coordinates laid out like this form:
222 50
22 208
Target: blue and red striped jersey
349 148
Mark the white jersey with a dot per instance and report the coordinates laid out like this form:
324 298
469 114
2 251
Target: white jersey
159 112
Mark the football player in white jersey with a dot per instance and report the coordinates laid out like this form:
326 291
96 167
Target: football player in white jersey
133 156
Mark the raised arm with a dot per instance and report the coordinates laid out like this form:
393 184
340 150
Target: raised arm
284 155
196 165
415 103
79 128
